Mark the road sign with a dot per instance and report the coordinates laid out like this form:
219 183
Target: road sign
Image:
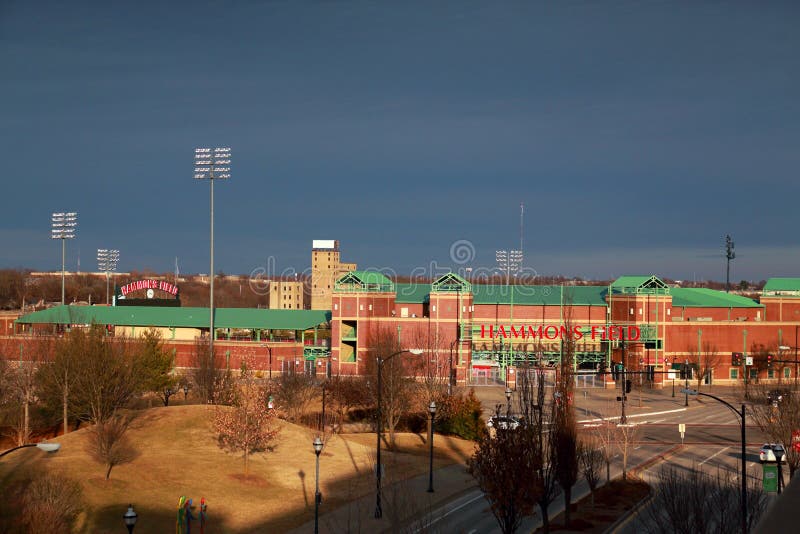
748 360
770 477
682 430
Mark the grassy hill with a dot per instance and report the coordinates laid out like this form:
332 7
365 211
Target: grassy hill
178 455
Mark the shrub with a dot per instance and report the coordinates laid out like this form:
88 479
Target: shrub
50 504
461 416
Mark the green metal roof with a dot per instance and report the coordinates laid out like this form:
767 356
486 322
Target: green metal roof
523 295
782 284
540 295
700 297
412 293
179 317
639 284
363 281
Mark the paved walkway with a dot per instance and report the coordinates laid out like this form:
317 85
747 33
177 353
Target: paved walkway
401 502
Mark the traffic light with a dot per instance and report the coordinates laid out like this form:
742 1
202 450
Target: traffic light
769 360
628 384
736 359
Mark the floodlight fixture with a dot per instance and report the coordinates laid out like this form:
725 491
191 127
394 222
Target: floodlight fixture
107 260
62 226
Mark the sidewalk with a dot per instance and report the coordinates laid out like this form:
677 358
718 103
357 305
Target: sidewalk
401 503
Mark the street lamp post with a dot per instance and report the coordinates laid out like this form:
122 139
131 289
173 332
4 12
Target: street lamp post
107 262
317 495
130 518
432 410
379 425
686 378
212 164
508 401
450 369
741 415
63 228
46 447
778 459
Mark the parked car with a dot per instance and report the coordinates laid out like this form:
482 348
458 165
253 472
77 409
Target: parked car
503 422
768 450
777 395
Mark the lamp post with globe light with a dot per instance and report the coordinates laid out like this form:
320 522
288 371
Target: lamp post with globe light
317 495
130 518
432 411
44 446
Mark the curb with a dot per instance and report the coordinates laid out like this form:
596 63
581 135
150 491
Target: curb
625 519
633 512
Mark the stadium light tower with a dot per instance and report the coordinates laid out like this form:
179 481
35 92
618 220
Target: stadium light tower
63 228
212 164
107 262
509 262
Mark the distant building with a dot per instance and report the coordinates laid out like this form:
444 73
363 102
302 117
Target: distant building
326 267
286 295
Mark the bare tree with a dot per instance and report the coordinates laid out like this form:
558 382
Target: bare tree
780 422
22 386
205 376
564 429
625 436
397 388
106 380
538 411
432 368
345 393
503 466
704 361
57 378
689 501
294 393
108 443
242 418
605 433
51 503
590 459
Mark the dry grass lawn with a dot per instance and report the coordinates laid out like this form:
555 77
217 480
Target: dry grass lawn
179 456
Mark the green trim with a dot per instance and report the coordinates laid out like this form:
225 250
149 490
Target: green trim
314 352
641 284
451 283
363 281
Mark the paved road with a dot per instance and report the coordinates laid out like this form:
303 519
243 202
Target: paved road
712 440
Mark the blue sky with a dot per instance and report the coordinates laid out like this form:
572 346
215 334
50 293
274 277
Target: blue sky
636 133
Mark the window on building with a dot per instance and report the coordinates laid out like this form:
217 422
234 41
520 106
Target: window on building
770 373
787 372
753 374
734 374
